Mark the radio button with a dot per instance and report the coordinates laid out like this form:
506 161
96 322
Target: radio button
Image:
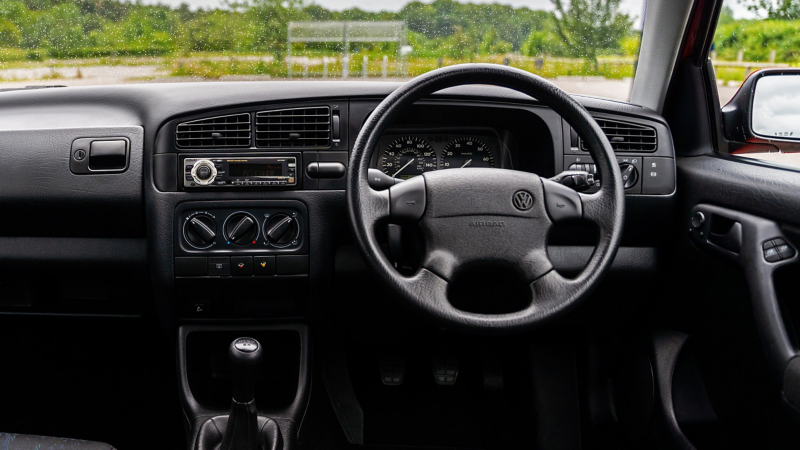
204 172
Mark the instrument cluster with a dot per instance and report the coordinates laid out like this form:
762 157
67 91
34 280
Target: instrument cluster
408 155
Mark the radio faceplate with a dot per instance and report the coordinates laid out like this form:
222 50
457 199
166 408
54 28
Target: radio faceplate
221 171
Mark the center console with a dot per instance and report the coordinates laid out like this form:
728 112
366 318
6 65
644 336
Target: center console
240 258
239 201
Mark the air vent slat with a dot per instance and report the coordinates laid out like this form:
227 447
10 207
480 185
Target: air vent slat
296 127
628 137
215 132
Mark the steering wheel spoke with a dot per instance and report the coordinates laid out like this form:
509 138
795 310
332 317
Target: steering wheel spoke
598 209
552 291
376 207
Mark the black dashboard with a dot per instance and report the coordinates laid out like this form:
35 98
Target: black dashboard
228 197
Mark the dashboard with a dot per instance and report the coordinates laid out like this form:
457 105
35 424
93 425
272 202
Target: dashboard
229 202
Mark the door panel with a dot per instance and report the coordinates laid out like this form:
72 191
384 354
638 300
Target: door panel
741 320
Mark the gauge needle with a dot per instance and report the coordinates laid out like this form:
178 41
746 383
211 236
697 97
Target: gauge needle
466 163
401 169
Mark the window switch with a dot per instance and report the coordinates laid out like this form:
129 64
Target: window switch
772 255
785 251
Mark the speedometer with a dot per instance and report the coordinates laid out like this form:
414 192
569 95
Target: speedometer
467 152
408 157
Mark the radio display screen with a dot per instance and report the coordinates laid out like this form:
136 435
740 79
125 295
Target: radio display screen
255 170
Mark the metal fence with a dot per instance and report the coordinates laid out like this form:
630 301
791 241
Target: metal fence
346 33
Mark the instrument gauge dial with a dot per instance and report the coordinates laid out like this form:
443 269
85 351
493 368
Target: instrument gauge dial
467 152
408 157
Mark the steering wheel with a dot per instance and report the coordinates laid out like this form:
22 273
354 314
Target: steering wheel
481 216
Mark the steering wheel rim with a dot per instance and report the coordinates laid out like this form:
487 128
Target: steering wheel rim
437 195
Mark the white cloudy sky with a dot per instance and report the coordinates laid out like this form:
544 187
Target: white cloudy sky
776 106
634 7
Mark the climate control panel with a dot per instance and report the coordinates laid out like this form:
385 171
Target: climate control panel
241 227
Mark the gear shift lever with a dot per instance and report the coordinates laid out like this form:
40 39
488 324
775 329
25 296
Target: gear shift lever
242 432
246 355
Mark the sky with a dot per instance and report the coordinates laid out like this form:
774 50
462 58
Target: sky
632 7
776 106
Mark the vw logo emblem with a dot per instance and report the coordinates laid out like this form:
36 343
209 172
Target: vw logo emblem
522 200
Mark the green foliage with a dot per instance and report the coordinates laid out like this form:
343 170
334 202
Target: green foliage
757 38
10 35
41 29
588 26
544 42
774 9
630 45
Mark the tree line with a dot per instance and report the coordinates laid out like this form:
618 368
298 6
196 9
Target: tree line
84 28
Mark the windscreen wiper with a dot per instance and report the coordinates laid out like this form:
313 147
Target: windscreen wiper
26 88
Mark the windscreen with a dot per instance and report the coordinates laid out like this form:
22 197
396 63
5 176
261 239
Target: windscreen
584 46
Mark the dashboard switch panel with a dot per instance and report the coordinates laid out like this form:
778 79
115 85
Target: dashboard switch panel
658 176
633 173
239 229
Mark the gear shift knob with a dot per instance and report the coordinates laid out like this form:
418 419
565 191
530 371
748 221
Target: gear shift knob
246 355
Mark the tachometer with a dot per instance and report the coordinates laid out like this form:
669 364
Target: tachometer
467 152
408 157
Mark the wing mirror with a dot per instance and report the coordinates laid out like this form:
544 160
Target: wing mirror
766 110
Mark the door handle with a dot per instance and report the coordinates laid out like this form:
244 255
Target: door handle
750 241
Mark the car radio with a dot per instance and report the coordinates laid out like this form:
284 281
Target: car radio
245 172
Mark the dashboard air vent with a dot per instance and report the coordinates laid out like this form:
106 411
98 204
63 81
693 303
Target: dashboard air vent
627 137
215 132
296 127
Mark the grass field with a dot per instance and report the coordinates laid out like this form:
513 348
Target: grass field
314 67
611 79
216 66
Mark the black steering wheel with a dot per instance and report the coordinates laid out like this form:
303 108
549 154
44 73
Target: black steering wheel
485 216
